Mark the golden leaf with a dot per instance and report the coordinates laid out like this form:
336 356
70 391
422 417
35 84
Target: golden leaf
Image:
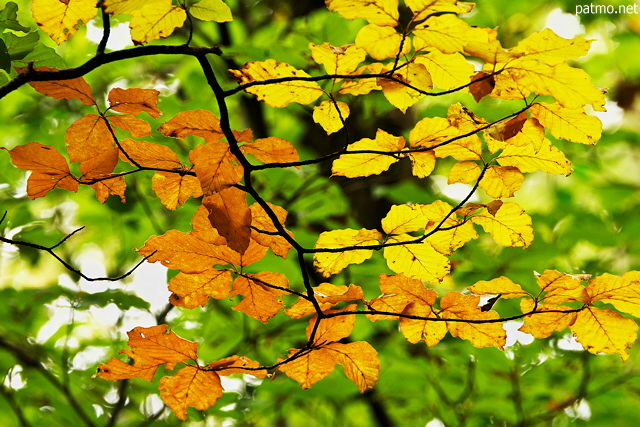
566 123
329 263
330 118
622 292
360 362
135 126
61 19
365 164
528 158
604 331
547 319
155 20
236 365
500 285
215 166
454 305
400 92
261 221
134 101
76 88
398 291
190 387
501 181
509 226
271 150
418 260
404 219
448 71
174 189
423 8
327 296
87 137
382 42
332 329
193 290
337 60
379 12
545 46
280 94
260 301
414 330
309 368
560 288
465 172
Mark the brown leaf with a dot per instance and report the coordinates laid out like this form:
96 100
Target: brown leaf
230 215
200 123
87 137
215 167
135 126
190 387
174 189
135 101
481 88
76 88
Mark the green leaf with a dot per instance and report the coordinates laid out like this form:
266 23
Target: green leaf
5 59
9 18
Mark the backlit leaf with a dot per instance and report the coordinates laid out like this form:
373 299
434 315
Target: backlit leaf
560 287
235 365
365 164
135 126
337 60
134 101
76 88
329 263
87 137
501 181
360 362
379 12
528 158
190 387
280 94
215 167
500 285
423 8
547 47
448 71
332 328
622 292
382 42
49 169
418 260
193 290
327 296
604 331
400 92
155 20
230 215
261 221
328 117
260 301
543 323
211 10
174 189
509 226
150 155
454 305
415 330
61 19
566 123
398 291
202 123
404 219
309 368
271 150
465 172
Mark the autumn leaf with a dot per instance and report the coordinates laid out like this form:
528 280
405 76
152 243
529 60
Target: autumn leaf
415 330
76 88
382 42
566 123
448 71
230 215
337 59
190 387
61 19
237 365
332 329
546 46
329 263
87 137
135 126
404 219
202 123
134 101
330 118
623 292
500 285
418 260
155 20
604 331
279 94
215 166
271 150
408 85
264 232
454 305
310 367
113 185
360 362
149 155
509 226
423 8
383 13
193 290
465 172
501 181
174 189
260 301
559 288
369 163
398 291
446 232
548 318
327 295
49 169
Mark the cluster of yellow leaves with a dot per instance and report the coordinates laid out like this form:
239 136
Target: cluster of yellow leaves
150 19
192 385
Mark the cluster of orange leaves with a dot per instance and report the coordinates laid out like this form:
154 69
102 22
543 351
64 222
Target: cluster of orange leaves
407 61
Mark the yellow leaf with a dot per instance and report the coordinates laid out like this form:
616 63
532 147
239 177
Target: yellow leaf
382 42
422 163
543 323
193 290
415 330
211 10
61 19
363 86
309 368
360 362
622 292
571 87
379 12
423 8
528 158
404 219
329 263
430 132
328 117
419 260
547 47
398 92
155 20
448 71
453 232
509 226
501 181
560 288
454 305
337 60
465 172
566 123
281 94
174 189
365 164
332 329
500 285
604 331
190 387
117 7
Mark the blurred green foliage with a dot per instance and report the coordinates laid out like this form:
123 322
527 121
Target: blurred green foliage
56 329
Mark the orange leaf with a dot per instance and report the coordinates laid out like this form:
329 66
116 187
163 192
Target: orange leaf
135 126
560 288
327 296
261 302
192 290
155 343
215 167
414 330
397 292
309 368
149 155
76 88
332 328
87 137
116 370
235 365
174 189
113 186
203 230
230 215
261 221
135 101
49 169
271 150
190 387
360 362
100 165
543 323
454 305
202 123
500 285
